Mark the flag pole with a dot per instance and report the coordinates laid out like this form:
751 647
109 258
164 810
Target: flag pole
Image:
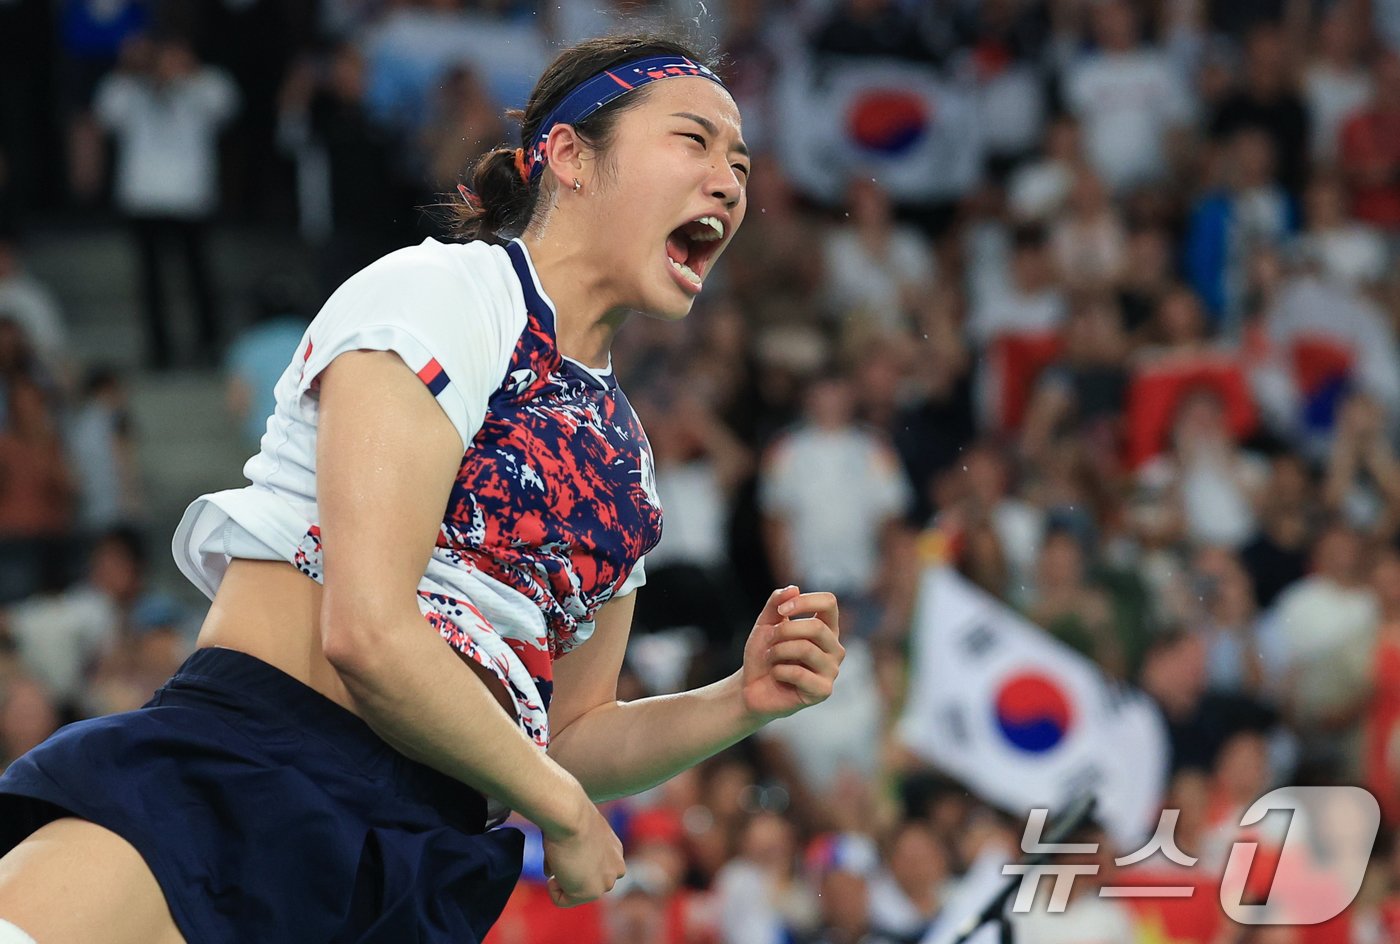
1065 825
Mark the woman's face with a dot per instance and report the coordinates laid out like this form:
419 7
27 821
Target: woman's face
672 194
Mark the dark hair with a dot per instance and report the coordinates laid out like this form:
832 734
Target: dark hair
507 202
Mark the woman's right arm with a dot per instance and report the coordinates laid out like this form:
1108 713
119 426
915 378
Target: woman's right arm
387 456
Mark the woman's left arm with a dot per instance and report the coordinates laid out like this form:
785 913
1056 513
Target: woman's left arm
618 748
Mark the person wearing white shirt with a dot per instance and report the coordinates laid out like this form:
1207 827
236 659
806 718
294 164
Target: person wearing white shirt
1129 100
1335 84
165 110
28 302
1031 300
876 270
1346 251
830 492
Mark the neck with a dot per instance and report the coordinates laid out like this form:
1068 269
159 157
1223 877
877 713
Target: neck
587 315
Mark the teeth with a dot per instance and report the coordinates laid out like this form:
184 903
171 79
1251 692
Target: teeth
716 227
685 270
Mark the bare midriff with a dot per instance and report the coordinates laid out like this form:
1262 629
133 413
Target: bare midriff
272 611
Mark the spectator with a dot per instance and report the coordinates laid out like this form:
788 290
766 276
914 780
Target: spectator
1378 919
1336 83
776 276
936 418
411 45
1243 773
138 662
62 631
1325 340
759 893
36 482
253 42
1002 57
1084 391
27 716
1370 150
1200 722
165 109
1230 225
820 533
92 36
699 466
1088 238
988 497
1226 615
1344 250
871 29
1031 301
843 866
1327 625
1208 483
466 124
572 21
1277 555
1068 608
908 891
1038 190
1363 474
1088 918
259 355
822 756
1382 757
635 908
1129 101
1269 102
30 303
351 184
1148 275
103 445
877 272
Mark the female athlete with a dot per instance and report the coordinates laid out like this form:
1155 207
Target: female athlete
450 459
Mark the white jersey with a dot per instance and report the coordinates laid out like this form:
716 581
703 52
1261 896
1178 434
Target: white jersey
523 561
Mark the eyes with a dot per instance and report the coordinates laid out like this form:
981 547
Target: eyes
704 145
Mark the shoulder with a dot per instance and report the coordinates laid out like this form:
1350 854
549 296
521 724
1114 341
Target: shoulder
432 280
439 264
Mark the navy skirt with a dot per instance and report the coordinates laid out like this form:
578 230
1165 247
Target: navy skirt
269 813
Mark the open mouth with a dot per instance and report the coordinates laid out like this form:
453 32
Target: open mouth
691 246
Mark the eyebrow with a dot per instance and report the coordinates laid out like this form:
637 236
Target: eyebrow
710 126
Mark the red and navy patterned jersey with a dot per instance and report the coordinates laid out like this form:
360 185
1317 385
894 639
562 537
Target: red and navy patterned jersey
555 496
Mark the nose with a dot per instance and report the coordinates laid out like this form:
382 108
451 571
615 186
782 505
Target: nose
725 185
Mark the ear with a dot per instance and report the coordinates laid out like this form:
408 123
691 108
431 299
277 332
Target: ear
566 154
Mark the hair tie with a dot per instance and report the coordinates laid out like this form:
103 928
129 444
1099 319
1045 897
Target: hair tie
520 167
469 196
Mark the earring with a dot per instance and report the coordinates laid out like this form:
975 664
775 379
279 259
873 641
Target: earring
578 185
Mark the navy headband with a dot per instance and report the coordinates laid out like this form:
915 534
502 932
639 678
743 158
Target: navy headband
594 93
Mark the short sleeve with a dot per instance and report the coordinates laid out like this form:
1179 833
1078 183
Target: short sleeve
776 494
890 493
429 308
637 578
217 94
113 102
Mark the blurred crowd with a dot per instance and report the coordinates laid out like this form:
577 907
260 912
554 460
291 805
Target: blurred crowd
1137 377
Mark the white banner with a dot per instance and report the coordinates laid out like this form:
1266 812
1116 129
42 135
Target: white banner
1024 721
902 124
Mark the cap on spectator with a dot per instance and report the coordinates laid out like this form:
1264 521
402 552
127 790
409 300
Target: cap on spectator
842 852
156 612
655 825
